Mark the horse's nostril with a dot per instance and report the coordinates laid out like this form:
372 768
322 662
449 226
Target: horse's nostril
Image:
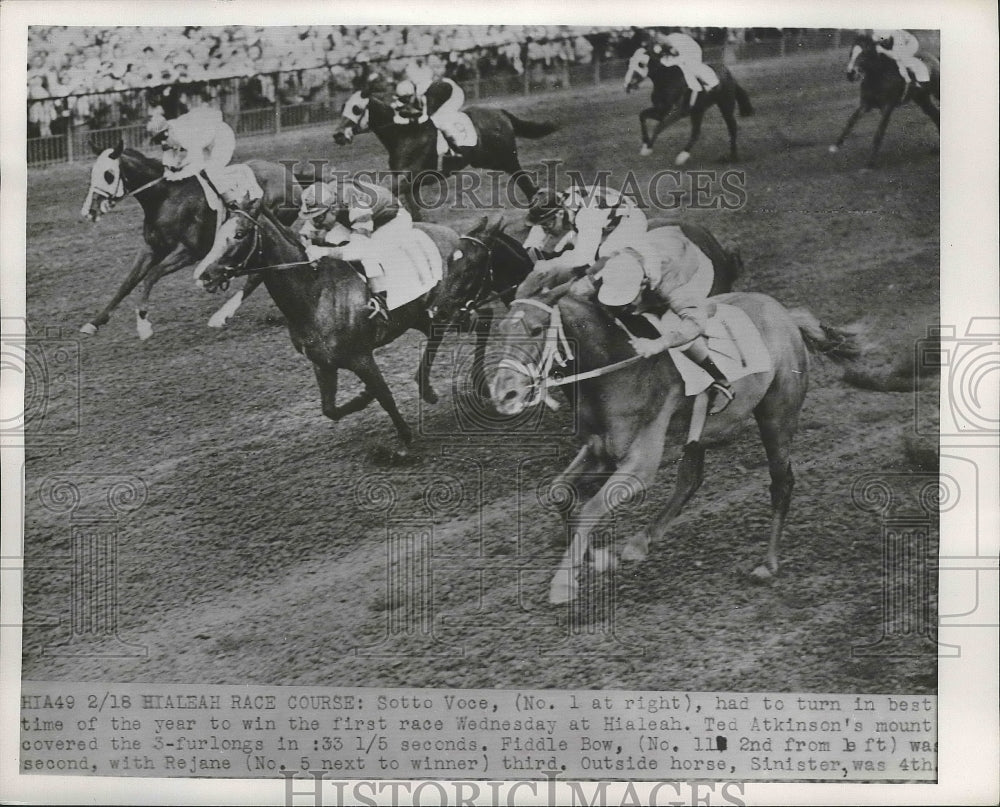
511 395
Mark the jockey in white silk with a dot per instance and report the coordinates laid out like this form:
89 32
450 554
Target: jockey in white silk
594 221
902 47
685 53
666 268
339 219
200 144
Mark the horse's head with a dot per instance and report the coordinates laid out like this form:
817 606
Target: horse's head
353 118
862 53
106 184
470 277
524 347
236 242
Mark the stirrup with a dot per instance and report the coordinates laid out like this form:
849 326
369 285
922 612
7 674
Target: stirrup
723 392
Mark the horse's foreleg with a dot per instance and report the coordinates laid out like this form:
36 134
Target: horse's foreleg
662 122
851 121
231 306
367 370
690 472
727 107
480 383
326 378
524 182
140 265
651 113
883 124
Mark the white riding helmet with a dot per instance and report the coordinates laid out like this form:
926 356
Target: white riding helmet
621 279
317 199
406 89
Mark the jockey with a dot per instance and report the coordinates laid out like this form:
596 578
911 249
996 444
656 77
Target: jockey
338 219
410 106
685 53
590 222
902 47
665 273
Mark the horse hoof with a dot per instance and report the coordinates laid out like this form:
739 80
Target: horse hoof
682 158
603 561
563 588
833 149
429 395
645 151
761 574
90 329
215 321
144 329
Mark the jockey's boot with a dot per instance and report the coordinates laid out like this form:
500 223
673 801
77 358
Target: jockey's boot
722 390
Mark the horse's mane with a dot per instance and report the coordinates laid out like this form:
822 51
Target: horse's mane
143 159
283 231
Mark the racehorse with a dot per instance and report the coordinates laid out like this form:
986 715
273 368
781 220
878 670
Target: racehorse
883 88
490 264
671 101
626 405
412 147
178 225
325 304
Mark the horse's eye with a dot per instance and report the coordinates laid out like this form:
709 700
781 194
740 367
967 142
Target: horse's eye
109 177
457 254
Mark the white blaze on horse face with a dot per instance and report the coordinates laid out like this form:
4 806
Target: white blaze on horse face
225 238
355 109
105 182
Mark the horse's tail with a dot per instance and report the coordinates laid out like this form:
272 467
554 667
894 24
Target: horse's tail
530 129
839 344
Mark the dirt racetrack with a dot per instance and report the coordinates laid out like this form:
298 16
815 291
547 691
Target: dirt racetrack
260 552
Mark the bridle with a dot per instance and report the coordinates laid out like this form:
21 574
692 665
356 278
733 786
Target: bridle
118 192
556 352
242 267
484 291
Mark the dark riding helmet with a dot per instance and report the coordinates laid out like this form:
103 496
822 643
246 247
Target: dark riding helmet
546 204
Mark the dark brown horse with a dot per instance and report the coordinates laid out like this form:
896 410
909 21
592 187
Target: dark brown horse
326 306
884 89
629 405
671 101
178 225
412 147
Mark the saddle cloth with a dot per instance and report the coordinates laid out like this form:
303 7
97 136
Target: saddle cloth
236 183
735 346
409 260
457 126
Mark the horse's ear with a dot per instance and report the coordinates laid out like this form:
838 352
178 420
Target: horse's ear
116 152
480 227
497 226
93 145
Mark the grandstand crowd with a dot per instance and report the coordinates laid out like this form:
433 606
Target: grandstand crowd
107 77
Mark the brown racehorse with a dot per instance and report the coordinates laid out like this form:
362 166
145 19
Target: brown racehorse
626 413
412 147
671 96
883 88
178 225
326 306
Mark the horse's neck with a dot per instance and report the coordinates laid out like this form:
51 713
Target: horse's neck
137 171
289 287
380 120
596 340
515 266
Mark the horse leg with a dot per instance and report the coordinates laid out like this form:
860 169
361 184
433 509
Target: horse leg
851 121
435 335
727 106
174 261
690 473
923 100
140 265
696 117
883 124
480 384
231 306
367 370
776 431
662 123
326 378
644 117
629 480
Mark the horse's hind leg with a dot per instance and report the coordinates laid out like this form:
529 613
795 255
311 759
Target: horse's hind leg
326 378
776 431
923 100
656 115
435 335
174 261
727 106
140 266
851 121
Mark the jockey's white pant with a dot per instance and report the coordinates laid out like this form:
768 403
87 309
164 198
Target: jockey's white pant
698 75
365 248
